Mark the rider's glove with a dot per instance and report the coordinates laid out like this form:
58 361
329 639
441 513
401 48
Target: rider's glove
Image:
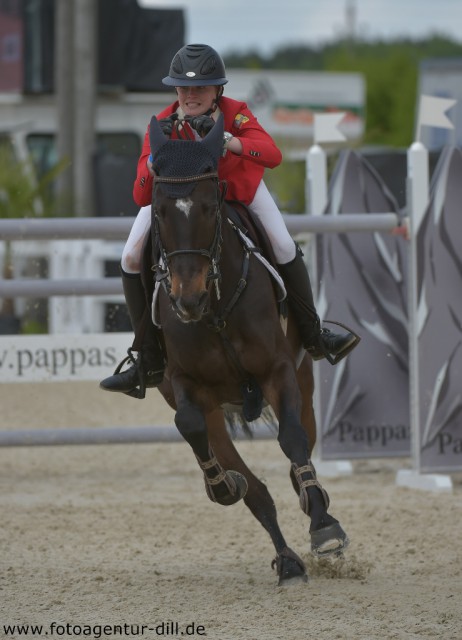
202 124
166 124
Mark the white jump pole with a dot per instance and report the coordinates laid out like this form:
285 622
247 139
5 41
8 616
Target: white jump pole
316 197
417 203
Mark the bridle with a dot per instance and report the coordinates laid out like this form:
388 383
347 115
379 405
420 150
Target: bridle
161 267
215 322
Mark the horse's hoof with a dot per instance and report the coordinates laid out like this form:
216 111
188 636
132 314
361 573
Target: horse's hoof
240 483
290 568
330 540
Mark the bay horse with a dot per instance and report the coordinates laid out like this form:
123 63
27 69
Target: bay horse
225 344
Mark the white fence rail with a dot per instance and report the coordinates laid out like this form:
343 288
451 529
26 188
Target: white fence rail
79 229
118 228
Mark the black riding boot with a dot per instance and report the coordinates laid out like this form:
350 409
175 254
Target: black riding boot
147 369
320 343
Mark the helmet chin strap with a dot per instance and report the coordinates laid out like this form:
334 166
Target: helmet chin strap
219 94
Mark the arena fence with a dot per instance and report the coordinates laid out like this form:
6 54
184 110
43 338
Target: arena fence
320 222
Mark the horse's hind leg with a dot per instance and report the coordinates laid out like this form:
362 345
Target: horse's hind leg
258 499
223 486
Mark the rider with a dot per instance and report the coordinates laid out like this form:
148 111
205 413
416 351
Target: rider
198 74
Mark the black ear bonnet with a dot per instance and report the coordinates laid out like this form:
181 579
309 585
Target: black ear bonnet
184 158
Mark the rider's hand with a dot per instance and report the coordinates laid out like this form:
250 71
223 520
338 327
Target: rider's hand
166 124
202 124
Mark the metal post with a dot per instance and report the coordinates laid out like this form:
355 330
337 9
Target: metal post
85 17
64 89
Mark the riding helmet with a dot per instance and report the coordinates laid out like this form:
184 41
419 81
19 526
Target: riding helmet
196 65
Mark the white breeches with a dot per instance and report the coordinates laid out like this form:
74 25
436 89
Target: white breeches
131 255
265 209
262 207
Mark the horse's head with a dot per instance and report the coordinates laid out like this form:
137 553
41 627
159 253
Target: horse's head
186 206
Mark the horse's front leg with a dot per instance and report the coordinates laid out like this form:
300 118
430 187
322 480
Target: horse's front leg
327 536
223 486
258 499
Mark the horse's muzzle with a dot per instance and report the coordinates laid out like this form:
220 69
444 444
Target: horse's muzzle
190 308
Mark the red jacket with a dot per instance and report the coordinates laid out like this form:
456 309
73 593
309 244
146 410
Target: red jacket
242 173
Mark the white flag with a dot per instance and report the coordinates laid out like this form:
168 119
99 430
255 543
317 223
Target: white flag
432 113
326 127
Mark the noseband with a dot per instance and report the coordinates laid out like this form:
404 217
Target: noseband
212 254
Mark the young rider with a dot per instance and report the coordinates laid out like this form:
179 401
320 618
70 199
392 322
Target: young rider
198 74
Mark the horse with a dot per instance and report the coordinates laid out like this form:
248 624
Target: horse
225 343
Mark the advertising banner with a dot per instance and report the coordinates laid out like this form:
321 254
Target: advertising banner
62 357
363 401
437 308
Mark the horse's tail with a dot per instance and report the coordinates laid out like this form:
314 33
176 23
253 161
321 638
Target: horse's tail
264 427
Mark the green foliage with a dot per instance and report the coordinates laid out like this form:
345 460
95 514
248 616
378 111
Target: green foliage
390 70
287 183
21 194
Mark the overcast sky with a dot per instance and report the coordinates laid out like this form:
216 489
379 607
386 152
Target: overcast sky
267 24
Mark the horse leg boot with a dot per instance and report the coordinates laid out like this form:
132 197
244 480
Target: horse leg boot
147 370
320 343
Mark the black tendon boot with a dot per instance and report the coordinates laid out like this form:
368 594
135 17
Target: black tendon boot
147 369
320 343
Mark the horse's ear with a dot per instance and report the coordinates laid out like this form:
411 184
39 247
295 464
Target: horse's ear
157 137
214 139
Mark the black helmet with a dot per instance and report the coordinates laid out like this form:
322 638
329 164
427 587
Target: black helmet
195 65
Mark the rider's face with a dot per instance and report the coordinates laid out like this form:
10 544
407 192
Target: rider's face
195 101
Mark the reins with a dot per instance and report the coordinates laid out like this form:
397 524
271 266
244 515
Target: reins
251 392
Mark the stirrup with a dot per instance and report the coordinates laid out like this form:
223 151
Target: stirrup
333 360
138 392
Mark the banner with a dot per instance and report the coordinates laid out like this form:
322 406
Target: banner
363 402
63 357
437 309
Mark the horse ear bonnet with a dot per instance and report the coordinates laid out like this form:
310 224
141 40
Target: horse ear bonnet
184 158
